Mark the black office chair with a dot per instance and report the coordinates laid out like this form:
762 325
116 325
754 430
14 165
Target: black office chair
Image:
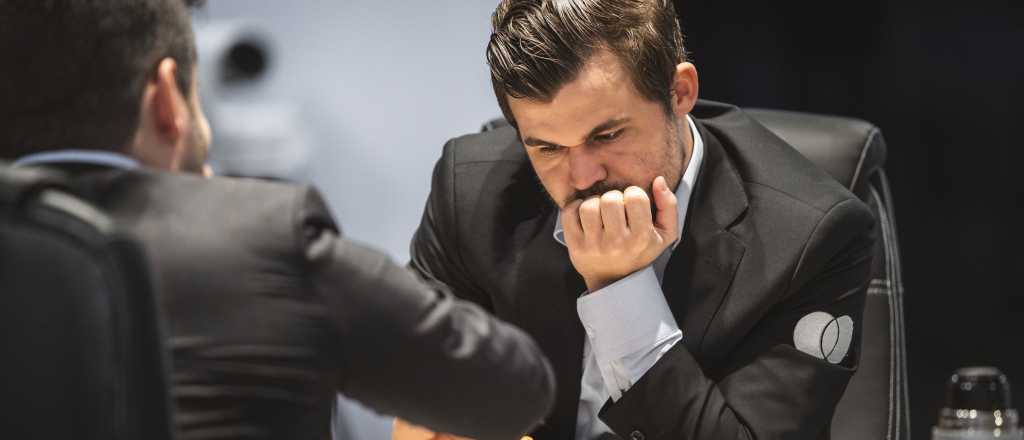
81 351
875 404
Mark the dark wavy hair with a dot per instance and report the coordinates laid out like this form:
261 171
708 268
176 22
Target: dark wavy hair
537 46
75 69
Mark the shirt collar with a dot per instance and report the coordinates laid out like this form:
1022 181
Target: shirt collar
683 192
93 157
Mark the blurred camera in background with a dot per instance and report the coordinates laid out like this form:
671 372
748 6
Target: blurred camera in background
254 134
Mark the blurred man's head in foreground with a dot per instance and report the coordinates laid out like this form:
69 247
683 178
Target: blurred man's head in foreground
114 75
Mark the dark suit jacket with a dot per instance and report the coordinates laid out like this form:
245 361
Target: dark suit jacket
270 312
769 239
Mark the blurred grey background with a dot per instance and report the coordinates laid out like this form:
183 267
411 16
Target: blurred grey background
378 87
358 98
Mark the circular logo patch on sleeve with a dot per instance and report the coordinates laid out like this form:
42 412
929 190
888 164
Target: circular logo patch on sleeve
823 336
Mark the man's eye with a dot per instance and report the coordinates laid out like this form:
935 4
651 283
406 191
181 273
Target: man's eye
608 137
549 149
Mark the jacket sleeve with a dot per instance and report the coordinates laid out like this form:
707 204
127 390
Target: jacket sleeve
411 349
771 389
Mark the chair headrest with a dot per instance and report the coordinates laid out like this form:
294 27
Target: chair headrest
17 184
50 189
851 150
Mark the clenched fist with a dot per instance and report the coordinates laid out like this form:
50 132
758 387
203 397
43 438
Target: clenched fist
405 431
612 236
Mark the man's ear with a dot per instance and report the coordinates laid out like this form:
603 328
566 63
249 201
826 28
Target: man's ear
684 89
169 109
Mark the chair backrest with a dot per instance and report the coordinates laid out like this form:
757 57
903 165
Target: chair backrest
875 404
83 353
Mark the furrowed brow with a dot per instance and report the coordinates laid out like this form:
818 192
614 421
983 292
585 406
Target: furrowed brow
531 141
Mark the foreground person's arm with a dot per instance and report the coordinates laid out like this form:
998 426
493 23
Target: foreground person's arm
413 350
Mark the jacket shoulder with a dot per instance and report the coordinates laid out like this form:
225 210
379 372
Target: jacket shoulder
489 171
176 210
500 146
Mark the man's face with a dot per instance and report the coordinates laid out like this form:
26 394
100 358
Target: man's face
598 134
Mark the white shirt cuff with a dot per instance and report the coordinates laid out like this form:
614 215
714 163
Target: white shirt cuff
630 327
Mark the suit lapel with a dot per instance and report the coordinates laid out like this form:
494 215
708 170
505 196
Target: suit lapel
545 292
702 267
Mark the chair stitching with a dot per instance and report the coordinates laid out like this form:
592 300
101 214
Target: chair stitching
863 155
893 249
892 331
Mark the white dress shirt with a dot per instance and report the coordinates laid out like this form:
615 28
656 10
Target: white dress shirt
629 325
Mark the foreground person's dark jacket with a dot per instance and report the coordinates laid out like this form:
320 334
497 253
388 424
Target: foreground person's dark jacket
270 313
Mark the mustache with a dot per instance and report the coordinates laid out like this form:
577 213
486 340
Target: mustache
598 189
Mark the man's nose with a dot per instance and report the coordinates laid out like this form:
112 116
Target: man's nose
585 168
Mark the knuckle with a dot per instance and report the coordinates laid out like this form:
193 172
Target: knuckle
635 194
590 207
611 197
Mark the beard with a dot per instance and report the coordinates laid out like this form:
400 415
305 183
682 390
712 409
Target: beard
669 164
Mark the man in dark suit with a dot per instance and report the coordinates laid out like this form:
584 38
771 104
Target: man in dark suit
270 312
689 275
